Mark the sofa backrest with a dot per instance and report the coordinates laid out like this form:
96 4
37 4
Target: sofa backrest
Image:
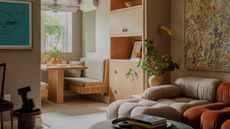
223 92
198 88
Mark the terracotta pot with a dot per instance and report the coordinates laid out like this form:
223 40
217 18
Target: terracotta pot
155 80
54 61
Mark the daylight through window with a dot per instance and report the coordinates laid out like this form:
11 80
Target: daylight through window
57 30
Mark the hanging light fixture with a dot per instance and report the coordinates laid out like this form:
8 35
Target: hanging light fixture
95 2
55 7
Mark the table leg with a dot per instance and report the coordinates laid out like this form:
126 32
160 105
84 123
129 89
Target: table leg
56 86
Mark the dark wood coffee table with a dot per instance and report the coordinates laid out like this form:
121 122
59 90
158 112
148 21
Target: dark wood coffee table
108 125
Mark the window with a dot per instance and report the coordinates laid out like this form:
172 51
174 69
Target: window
57 31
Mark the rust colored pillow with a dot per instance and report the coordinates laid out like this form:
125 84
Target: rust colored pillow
226 125
223 92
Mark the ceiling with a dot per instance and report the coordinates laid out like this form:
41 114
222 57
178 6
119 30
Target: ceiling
85 6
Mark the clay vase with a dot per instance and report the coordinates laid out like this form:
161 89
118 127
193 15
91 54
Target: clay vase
54 61
155 80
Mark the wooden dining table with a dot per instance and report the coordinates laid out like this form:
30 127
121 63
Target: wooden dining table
56 80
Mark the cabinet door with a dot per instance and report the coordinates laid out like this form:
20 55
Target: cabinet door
122 87
117 23
114 82
134 21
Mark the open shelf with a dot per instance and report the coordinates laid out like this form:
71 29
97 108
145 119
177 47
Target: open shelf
121 47
119 4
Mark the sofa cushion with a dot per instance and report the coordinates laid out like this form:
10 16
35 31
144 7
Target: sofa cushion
213 119
198 88
112 110
95 69
223 93
182 104
74 72
164 91
192 115
169 108
226 125
81 80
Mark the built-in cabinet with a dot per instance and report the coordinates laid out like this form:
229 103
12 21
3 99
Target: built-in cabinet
126 26
127 22
122 87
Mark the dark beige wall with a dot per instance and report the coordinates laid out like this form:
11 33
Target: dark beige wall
89 32
177 45
158 13
77 38
23 66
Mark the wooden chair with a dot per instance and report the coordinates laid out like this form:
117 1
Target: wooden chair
4 104
89 86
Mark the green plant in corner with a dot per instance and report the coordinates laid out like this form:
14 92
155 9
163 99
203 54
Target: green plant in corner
153 63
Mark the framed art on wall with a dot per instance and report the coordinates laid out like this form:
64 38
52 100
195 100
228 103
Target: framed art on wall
15 24
207 30
136 52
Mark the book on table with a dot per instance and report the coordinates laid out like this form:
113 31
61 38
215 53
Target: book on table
147 121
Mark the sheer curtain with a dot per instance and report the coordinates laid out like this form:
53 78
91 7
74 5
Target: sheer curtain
57 30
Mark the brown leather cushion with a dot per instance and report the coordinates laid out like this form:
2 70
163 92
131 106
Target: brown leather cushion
192 116
226 125
223 92
213 119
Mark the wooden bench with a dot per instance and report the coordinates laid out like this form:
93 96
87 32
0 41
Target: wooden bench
95 80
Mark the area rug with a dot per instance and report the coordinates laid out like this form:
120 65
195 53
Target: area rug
63 121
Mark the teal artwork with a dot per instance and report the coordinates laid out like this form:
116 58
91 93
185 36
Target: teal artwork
15 25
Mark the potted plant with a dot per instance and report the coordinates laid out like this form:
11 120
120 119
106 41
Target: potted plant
154 64
54 55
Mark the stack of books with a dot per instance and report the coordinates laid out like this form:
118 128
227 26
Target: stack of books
147 121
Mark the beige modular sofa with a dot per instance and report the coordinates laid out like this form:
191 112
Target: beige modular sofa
169 101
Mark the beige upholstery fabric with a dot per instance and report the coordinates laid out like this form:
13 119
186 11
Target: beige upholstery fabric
73 72
95 69
169 108
169 101
198 88
165 91
81 79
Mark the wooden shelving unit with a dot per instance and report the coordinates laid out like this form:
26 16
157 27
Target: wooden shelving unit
119 4
121 47
126 28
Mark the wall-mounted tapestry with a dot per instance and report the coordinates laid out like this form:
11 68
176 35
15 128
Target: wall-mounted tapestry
207 35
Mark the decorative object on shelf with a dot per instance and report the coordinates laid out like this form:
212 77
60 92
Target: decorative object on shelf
16 24
27 113
133 3
54 55
136 52
169 31
154 64
207 30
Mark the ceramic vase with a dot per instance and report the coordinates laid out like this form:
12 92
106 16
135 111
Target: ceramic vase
155 80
